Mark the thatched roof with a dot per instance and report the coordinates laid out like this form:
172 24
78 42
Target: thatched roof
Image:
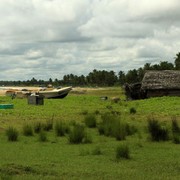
164 79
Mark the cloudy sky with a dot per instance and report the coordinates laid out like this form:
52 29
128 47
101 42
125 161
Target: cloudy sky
50 38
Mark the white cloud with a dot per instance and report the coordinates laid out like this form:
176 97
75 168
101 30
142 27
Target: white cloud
75 36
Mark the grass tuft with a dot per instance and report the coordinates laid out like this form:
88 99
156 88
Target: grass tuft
48 125
12 134
132 110
77 134
27 130
90 120
111 125
157 131
175 131
122 152
97 151
61 128
38 126
42 136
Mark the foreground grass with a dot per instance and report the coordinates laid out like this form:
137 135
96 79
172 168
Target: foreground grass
56 158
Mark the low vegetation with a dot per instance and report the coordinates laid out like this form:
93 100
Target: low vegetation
90 120
27 130
85 137
12 134
42 136
157 131
122 152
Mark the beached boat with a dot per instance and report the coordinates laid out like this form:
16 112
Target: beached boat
46 93
55 93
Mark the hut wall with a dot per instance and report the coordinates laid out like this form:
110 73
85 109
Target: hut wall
162 92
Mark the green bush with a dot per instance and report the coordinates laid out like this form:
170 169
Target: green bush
84 112
175 126
176 138
130 129
38 126
12 134
60 128
157 131
106 126
77 134
96 112
42 136
132 110
120 131
111 125
27 130
90 120
87 138
175 131
48 125
96 151
122 151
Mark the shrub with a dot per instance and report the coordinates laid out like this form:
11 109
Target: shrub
130 129
96 151
60 128
38 127
27 130
107 124
42 136
111 125
87 138
122 151
48 125
175 131
77 134
157 131
84 152
90 120
101 129
175 126
120 131
176 138
12 134
84 112
132 110
96 112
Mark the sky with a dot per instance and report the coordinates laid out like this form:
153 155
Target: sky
52 38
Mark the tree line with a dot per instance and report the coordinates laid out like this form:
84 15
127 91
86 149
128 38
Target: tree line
100 77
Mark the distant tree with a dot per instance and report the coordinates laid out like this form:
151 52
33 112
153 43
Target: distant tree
101 78
177 61
156 67
121 77
132 76
147 66
110 78
34 81
50 81
140 73
164 65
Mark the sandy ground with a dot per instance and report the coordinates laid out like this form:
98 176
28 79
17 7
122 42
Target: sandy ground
74 90
3 91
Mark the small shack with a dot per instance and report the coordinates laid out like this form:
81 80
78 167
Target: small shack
161 83
36 100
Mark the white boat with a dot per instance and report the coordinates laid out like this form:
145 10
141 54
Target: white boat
55 93
46 93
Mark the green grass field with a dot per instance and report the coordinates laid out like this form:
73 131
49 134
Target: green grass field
56 158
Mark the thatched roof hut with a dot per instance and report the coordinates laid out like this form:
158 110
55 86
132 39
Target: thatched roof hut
166 79
159 83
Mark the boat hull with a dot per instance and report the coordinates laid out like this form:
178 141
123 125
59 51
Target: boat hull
55 94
